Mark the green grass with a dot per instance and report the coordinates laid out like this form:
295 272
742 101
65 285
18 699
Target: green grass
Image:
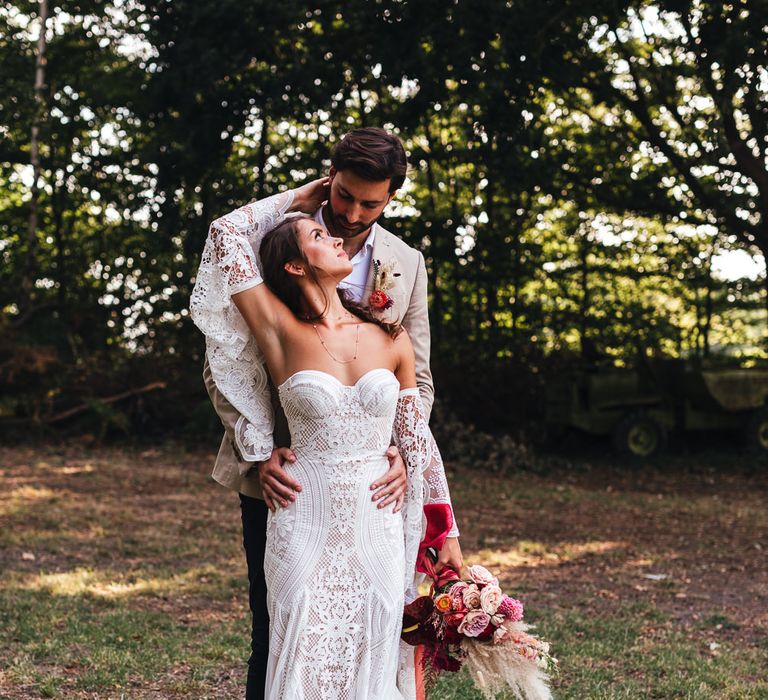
65 643
122 578
636 654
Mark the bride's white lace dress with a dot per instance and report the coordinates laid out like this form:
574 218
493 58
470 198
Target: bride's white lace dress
335 563
338 568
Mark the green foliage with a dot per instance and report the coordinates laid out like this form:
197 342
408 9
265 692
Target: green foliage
576 172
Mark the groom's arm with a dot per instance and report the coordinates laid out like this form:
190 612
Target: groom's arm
416 322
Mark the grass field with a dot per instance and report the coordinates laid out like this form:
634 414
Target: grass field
123 577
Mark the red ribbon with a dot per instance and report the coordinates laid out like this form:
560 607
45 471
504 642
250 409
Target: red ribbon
439 523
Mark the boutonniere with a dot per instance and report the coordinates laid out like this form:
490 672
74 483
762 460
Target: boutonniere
383 280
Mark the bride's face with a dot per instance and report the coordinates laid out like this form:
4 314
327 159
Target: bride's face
322 251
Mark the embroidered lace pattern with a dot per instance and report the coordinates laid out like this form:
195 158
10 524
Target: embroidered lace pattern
230 265
335 562
417 446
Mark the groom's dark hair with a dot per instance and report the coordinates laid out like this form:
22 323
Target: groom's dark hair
373 154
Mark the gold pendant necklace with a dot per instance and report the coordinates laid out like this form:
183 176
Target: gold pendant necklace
330 354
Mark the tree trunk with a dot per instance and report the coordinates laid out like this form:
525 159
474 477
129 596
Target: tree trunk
708 303
697 307
765 289
58 204
436 315
262 157
516 275
584 301
34 149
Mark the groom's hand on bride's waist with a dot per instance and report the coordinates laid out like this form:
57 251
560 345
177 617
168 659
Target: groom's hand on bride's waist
390 488
277 487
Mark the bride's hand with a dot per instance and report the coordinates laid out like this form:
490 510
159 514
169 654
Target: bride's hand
450 555
309 197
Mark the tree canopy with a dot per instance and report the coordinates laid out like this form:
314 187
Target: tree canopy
588 181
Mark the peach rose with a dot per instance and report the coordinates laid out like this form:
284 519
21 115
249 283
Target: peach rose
481 576
471 596
490 598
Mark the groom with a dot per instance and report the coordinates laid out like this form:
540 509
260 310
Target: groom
367 168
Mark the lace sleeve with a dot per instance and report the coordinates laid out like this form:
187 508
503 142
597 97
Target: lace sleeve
424 465
229 265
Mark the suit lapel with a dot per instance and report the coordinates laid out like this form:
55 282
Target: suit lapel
382 252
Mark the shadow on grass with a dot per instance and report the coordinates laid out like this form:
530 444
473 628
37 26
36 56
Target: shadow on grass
123 575
62 644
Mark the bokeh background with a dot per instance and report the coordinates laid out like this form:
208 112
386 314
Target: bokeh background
589 187
588 184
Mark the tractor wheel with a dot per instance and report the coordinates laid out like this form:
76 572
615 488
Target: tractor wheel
639 436
756 432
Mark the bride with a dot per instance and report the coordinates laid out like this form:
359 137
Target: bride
338 568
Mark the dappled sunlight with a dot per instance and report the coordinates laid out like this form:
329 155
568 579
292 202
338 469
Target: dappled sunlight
18 498
534 554
31 493
79 469
638 563
105 584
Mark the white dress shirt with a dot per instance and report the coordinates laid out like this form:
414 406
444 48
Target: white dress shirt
355 281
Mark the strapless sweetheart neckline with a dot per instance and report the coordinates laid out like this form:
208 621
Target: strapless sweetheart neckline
336 379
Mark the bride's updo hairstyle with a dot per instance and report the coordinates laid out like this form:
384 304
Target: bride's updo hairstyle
281 245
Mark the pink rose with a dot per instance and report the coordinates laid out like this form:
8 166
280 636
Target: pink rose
457 589
471 596
490 598
481 576
474 623
511 608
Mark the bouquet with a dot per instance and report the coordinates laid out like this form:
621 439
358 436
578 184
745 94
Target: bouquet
473 623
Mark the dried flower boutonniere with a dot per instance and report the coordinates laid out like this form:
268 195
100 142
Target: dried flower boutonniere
383 280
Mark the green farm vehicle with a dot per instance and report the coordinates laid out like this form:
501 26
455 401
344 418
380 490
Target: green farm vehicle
639 407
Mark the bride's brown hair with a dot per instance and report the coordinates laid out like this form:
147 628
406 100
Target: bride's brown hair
281 245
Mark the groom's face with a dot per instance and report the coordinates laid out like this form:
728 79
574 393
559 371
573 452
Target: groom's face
354 203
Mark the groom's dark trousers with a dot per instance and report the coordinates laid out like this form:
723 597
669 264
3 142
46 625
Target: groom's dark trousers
254 515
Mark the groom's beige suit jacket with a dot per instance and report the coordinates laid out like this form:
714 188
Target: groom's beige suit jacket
409 295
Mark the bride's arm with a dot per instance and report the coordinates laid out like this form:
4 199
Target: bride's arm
263 312
417 446
237 375
229 266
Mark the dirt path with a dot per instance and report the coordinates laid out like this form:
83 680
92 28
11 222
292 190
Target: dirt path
690 542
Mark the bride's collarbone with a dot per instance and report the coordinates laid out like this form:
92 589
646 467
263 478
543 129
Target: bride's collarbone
344 352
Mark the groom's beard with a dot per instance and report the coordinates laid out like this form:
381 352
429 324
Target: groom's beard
337 224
